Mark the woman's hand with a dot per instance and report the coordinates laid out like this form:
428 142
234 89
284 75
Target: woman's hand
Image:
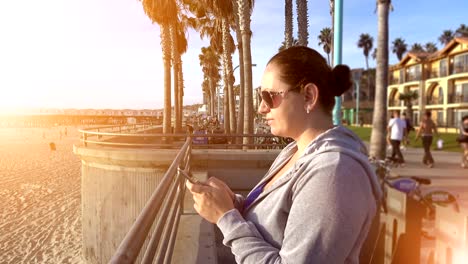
212 200
219 182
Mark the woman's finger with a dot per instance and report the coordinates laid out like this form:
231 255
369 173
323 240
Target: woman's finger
197 188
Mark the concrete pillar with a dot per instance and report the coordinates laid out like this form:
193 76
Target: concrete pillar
115 186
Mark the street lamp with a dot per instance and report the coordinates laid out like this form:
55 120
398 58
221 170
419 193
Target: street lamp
253 65
241 84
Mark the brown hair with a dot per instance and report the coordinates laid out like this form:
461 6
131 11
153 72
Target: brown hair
301 65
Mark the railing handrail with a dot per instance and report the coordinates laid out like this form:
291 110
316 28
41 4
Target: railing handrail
131 245
104 138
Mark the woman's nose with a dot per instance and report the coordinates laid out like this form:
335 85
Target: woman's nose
263 108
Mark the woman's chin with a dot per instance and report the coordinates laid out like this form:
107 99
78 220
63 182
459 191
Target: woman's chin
276 132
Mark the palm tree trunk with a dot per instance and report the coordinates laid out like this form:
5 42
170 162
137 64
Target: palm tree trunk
230 118
244 15
302 22
181 89
369 81
175 72
212 97
240 114
332 14
377 140
288 23
165 41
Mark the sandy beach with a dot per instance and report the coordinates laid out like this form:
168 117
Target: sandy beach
40 213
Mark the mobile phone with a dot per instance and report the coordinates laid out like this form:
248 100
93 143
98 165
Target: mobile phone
188 176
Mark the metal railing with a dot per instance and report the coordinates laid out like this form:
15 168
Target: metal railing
166 203
141 136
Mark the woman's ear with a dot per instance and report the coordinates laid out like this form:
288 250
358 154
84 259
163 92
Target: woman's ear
311 94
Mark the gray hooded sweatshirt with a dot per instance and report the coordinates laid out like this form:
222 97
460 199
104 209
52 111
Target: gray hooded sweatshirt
319 211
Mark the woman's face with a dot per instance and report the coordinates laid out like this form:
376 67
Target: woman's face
284 117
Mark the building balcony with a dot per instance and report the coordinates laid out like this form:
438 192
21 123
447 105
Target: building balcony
434 100
413 77
457 99
394 102
393 81
460 69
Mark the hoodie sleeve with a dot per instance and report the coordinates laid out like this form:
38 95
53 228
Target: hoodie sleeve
239 202
331 209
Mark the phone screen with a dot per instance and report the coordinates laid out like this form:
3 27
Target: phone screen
188 177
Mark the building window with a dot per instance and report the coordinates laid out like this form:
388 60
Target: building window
461 63
414 73
443 68
461 93
441 96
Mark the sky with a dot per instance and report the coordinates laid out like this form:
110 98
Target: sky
106 53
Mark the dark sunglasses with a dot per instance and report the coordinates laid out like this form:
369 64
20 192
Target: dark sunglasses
274 99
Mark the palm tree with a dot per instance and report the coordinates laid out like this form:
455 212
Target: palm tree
377 140
332 15
399 47
244 10
210 62
408 99
462 31
325 39
374 54
223 11
215 19
283 44
240 47
366 42
182 46
163 12
446 37
288 23
417 48
302 22
430 47
178 47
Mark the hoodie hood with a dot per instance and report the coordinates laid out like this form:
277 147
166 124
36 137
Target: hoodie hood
343 140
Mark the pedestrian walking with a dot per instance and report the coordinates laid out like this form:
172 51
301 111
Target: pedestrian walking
409 128
427 129
396 133
463 140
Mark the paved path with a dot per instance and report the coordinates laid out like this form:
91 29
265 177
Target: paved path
447 174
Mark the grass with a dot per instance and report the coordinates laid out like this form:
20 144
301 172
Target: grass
450 144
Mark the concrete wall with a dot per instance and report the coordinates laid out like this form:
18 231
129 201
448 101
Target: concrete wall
115 186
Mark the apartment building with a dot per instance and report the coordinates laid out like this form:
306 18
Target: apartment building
440 79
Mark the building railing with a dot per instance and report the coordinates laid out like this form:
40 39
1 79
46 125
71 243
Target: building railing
457 99
394 80
433 74
460 68
413 77
434 100
394 102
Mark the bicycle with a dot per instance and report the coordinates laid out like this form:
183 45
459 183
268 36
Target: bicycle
411 186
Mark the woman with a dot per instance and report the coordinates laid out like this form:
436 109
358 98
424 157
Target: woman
427 128
317 201
463 140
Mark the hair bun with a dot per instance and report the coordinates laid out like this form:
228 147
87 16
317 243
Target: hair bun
340 79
